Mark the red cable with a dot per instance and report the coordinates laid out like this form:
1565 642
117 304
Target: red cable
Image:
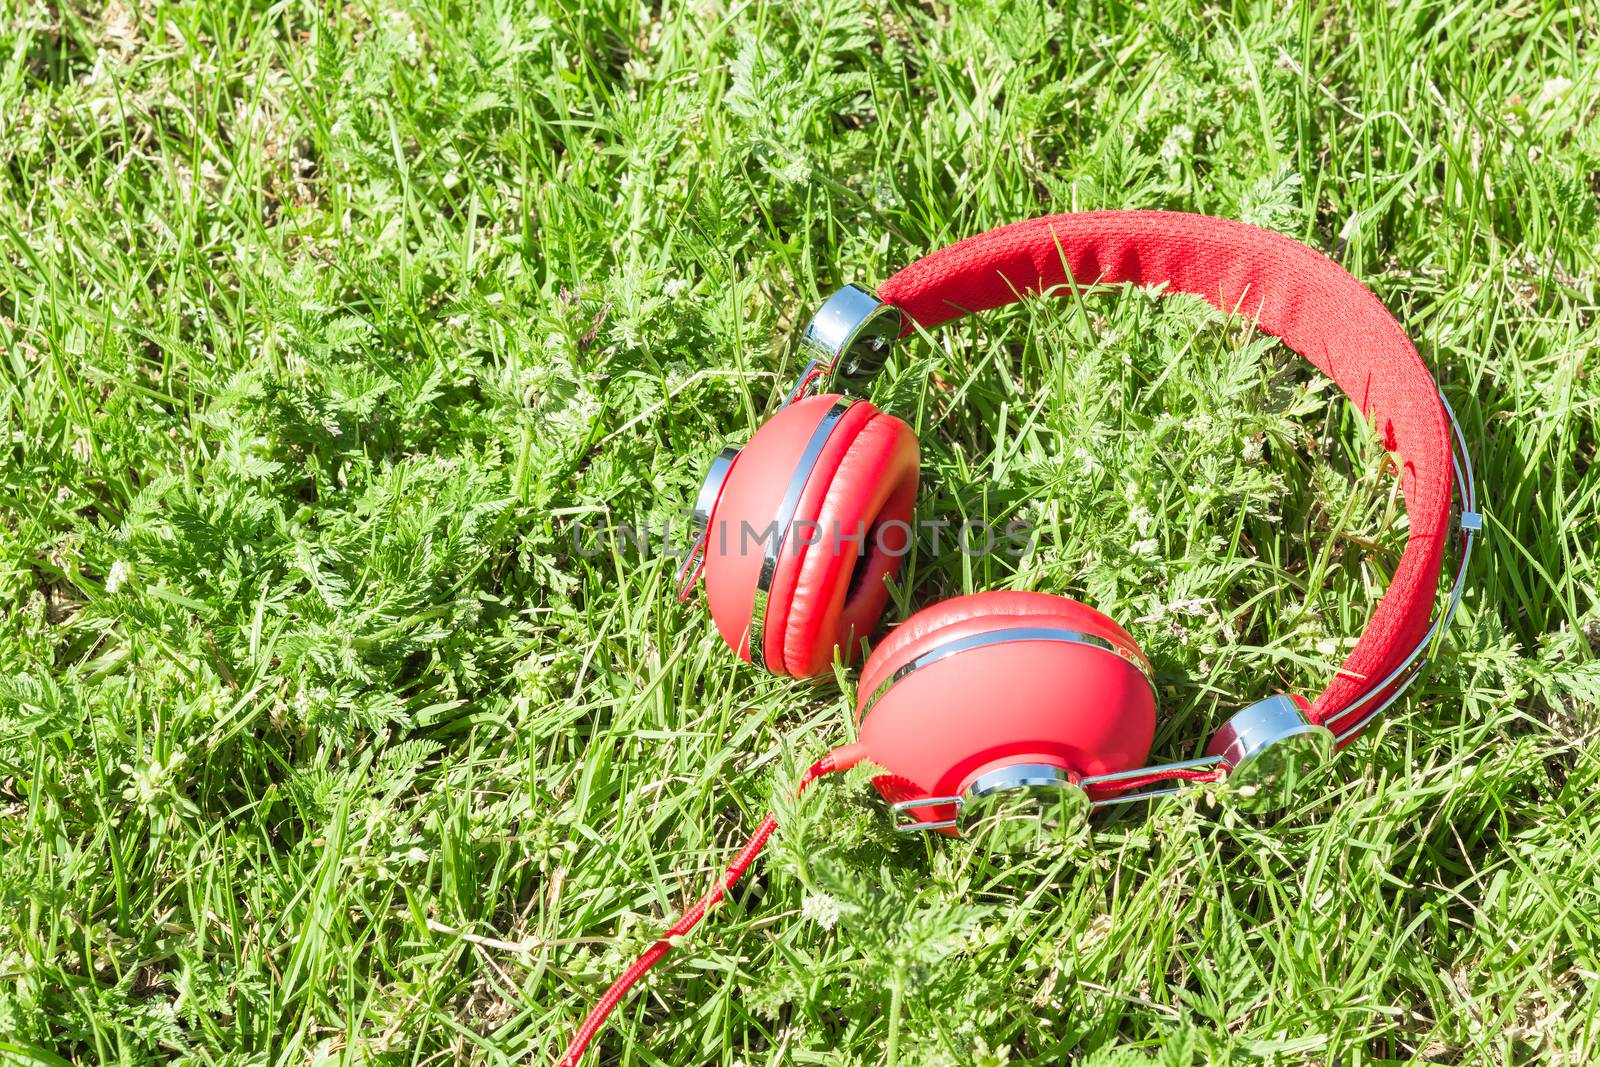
839 759
1189 775
799 390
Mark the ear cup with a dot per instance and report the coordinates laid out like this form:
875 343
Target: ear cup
830 592
991 679
841 473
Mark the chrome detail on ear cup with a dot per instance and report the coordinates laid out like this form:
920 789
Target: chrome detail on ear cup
711 487
1269 749
1003 636
1005 809
847 341
705 504
774 540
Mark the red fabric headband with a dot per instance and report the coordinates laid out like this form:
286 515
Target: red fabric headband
1288 290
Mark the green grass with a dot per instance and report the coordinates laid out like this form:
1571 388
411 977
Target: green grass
321 329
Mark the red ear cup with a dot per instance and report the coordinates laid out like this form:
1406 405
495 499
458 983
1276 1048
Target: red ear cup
850 477
994 679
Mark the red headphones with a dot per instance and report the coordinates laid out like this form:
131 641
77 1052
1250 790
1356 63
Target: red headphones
994 712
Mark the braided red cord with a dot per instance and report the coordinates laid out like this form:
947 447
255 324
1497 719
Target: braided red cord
596 1018
805 383
1128 784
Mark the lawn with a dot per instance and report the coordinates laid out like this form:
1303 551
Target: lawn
334 729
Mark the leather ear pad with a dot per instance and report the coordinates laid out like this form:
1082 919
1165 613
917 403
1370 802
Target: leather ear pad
976 613
831 591
872 460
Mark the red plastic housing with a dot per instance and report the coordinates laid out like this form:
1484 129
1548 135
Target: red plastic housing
828 589
1085 709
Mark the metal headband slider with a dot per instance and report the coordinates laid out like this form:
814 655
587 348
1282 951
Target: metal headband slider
847 341
1269 749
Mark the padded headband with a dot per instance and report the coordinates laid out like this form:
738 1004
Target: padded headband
1289 291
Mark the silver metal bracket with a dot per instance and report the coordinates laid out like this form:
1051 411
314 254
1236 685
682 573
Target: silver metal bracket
705 504
1383 692
846 342
1269 749
711 487
1008 808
